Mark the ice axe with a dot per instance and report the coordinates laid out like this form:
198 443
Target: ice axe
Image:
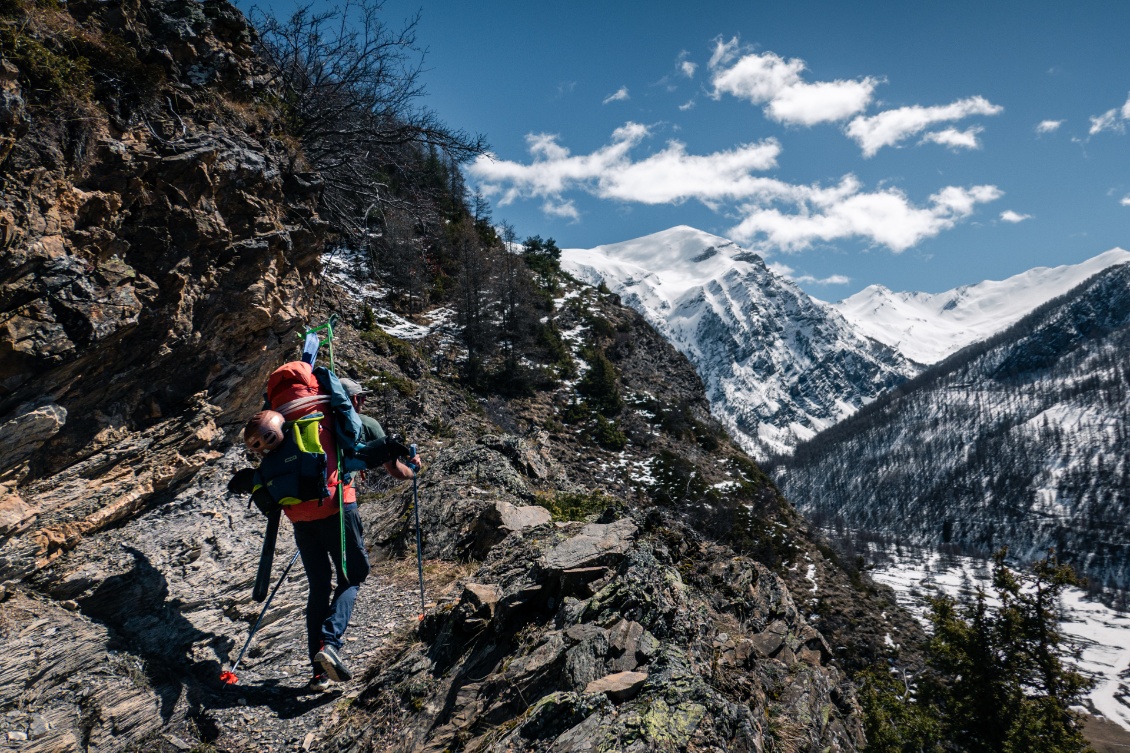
228 677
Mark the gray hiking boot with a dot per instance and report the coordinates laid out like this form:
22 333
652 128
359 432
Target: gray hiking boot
327 658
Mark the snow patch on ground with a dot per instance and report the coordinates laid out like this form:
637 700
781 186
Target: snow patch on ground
1102 633
348 269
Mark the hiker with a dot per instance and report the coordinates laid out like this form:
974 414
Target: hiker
299 393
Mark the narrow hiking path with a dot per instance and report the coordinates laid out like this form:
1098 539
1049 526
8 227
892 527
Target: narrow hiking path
272 709
153 610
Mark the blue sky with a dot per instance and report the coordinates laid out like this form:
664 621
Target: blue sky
921 145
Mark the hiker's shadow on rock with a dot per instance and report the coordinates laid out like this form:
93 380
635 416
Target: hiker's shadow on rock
142 620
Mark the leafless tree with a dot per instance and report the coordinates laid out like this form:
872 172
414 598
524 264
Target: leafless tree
348 88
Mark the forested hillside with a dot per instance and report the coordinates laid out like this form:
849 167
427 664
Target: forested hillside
1021 440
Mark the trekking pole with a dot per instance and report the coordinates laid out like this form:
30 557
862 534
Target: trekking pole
419 538
328 328
229 678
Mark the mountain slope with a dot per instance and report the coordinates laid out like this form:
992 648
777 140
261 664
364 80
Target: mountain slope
1020 440
777 365
927 327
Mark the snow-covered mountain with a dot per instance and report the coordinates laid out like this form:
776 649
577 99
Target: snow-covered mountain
778 365
1020 440
927 327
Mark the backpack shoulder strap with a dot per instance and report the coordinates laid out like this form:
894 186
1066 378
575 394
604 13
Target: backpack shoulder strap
347 424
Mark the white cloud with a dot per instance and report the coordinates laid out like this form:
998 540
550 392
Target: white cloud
1010 216
774 214
685 66
954 138
1114 119
669 175
561 208
891 127
885 217
1125 201
619 95
1108 121
688 105
784 270
1048 126
770 80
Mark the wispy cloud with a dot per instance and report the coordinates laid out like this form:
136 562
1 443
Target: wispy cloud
688 105
1114 119
1125 201
566 209
1010 216
770 80
685 65
786 271
891 127
774 214
619 95
884 217
1048 126
955 139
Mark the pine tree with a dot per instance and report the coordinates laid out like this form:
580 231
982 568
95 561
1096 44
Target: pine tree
997 679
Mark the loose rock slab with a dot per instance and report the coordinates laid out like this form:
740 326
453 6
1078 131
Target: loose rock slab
620 686
595 545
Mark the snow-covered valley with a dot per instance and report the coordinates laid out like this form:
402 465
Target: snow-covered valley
1102 634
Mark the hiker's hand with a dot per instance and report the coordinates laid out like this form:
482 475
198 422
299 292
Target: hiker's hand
263 500
243 482
381 451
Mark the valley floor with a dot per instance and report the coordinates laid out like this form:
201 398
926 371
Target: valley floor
1102 634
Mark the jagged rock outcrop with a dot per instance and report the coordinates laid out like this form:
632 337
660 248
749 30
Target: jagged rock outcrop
156 241
673 647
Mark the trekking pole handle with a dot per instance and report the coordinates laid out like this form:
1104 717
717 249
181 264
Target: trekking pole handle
412 454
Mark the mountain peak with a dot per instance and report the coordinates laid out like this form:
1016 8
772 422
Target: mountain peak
927 327
777 364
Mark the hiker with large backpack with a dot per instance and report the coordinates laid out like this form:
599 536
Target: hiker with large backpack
312 441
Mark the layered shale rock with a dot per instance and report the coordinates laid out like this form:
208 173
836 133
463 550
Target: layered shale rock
156 242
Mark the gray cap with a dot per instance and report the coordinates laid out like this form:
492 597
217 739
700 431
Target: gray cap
352 388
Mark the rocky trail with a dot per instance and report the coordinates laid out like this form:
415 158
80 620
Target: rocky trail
127 634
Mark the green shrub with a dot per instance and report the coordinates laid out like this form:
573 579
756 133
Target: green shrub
599 385
608 434
385 382
565 507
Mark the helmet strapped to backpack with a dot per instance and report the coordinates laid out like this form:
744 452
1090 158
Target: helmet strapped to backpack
264 432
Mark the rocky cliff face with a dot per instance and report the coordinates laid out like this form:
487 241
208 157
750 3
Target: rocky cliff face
156 242
161 250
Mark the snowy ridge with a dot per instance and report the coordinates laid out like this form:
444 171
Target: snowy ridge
928 327
778 365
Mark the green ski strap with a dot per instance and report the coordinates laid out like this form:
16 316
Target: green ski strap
325 333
